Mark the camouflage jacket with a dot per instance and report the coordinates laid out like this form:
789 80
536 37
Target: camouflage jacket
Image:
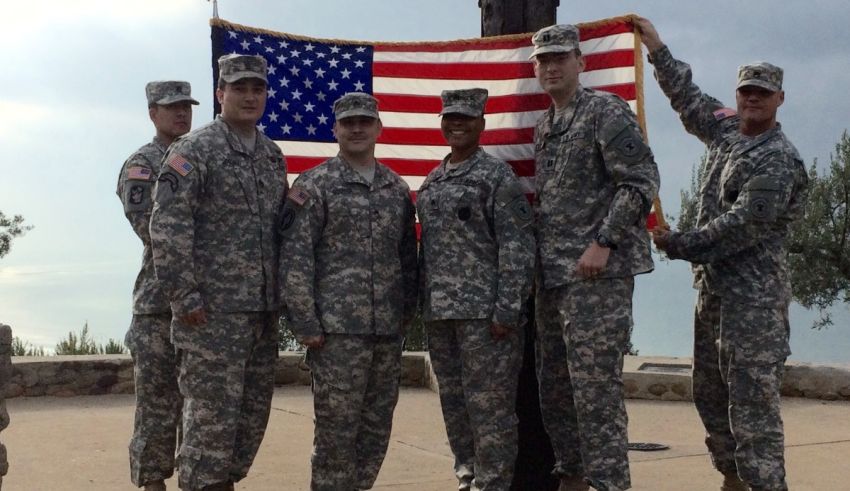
215 221
135 186
593 174
477 249
752 190
351 252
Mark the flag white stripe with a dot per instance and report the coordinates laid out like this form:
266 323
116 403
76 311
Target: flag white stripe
495 121
624 41
429 87
413 152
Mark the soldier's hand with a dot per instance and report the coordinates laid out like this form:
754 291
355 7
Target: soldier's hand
194 318
648 35
593 261
661 237
315 342
499 331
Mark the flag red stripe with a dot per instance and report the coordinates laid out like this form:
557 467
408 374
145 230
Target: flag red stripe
453 71
496 104
428 136
433 104
587 33
491 71
405 167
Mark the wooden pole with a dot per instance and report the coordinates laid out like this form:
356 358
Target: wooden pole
535 458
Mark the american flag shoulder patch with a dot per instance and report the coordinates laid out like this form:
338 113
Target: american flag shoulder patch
298 195
139 173
724 112
180 164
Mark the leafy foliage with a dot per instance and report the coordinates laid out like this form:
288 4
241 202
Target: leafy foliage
687 219
819 244
84 344
24 348
9 229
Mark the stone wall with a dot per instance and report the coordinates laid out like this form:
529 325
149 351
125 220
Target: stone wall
657 378
5 374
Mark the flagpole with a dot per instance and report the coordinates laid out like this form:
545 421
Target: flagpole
215 8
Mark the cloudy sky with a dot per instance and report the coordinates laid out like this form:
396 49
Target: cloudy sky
73 109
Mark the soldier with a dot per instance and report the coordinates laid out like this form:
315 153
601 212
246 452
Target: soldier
596 180
349 286
754 188
476 265
217 206
149 337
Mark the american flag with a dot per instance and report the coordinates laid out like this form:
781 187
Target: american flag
306 75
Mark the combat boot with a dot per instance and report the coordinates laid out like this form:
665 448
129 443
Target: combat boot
731 482
158 485
573 483
464 484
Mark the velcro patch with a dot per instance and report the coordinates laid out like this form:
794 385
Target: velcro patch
137 194
629 145
171 179
180 164
139 173
298 195
723 113
521 209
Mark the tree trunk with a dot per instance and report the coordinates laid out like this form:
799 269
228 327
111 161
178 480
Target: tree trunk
515 16
535 458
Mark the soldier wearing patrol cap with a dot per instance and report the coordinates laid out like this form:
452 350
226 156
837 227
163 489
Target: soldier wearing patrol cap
217 208
596 180
349 286
149 337
754 188
476 262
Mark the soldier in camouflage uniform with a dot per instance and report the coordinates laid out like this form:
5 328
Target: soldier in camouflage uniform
596 180
149 337
754 188
349 286
476 264
214 230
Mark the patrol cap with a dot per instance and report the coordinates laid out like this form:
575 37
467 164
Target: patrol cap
469 102
234 67
356 104
761 74
164 92
559 38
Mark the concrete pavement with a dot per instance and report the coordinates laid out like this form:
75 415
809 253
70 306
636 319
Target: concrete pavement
80 443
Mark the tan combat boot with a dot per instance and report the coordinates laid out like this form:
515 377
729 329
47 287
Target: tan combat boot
731 482
155 485
573 483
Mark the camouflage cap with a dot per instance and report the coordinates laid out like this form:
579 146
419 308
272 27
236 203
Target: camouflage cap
356 104
165 92
559 38
233 67
761 74
469 102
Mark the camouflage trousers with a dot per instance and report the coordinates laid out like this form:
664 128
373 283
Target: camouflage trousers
478 379
582 332
739 356
227 381
158 401
355 391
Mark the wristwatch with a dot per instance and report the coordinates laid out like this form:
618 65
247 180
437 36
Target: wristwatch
605 242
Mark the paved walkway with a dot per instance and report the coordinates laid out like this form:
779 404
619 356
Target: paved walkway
80 443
